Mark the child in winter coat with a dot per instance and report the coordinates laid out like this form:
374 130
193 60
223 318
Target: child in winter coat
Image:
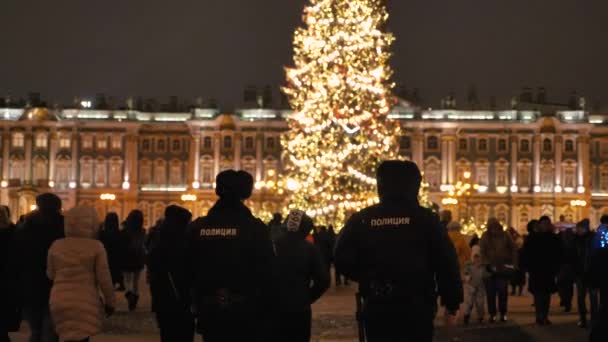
474 285
78 267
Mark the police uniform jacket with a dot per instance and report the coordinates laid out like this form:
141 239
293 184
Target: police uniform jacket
231 255
397 250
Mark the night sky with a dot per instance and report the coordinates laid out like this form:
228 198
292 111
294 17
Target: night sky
214 48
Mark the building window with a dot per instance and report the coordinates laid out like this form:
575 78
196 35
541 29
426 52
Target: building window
569 175
17 169
207 175
87 142
65 142
102 143
100 172
547 145
432 143
160 145
482 145
40 169
63 170
249 143
145 172
462 144
115 172
116 142
502 145
86 172
160 172
482 174
145 145
227 142
524 175
546 176
18 139
569 146
175 173
207 142
432 174
41 141
405 143
462 167
604 178
249 166
270 143
501 175
525 145
176 145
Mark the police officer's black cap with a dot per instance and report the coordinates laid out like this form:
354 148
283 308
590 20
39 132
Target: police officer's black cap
398 179
227 185
245 186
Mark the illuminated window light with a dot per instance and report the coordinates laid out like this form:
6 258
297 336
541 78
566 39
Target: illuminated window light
558 188
72 185
4 183
164 188
537 188
126 185
580 189
514 188
196 185
501 189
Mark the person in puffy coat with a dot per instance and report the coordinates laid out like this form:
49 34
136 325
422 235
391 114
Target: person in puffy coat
78 267
10 317
460 243
499 255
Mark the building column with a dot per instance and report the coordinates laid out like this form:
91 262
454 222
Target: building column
558 163
445 160
216 153
75 162
196 162
52 156
514 146
237 150
536 165
28 157
259 139
131 158
452 160
6 141
417 150
582 163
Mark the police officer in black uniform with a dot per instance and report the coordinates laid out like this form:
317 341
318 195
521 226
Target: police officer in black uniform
231 255
399 254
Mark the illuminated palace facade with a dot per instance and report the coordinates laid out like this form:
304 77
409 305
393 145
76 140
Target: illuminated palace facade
528 161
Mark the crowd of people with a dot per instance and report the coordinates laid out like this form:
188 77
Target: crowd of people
228 276
552 258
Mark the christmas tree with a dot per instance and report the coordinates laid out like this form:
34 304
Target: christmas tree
340 91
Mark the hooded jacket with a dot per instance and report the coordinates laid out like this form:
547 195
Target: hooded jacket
78 266
301 275
400 243
40 229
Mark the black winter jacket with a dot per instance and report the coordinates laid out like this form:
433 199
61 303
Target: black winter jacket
401 244
542 257
34 240
231 256
301 274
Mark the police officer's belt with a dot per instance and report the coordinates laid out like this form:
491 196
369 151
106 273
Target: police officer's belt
224 299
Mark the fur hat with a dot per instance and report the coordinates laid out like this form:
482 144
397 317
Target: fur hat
398 179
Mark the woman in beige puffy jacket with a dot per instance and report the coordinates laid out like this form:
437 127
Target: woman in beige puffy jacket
78 267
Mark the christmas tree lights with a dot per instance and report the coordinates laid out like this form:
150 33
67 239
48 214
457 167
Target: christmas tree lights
340 91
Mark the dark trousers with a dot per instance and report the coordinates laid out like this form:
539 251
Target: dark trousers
565 287
175 326
229 327
4 337
389 327
542 302
496 288
581 295
599 328
293 326
40 323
